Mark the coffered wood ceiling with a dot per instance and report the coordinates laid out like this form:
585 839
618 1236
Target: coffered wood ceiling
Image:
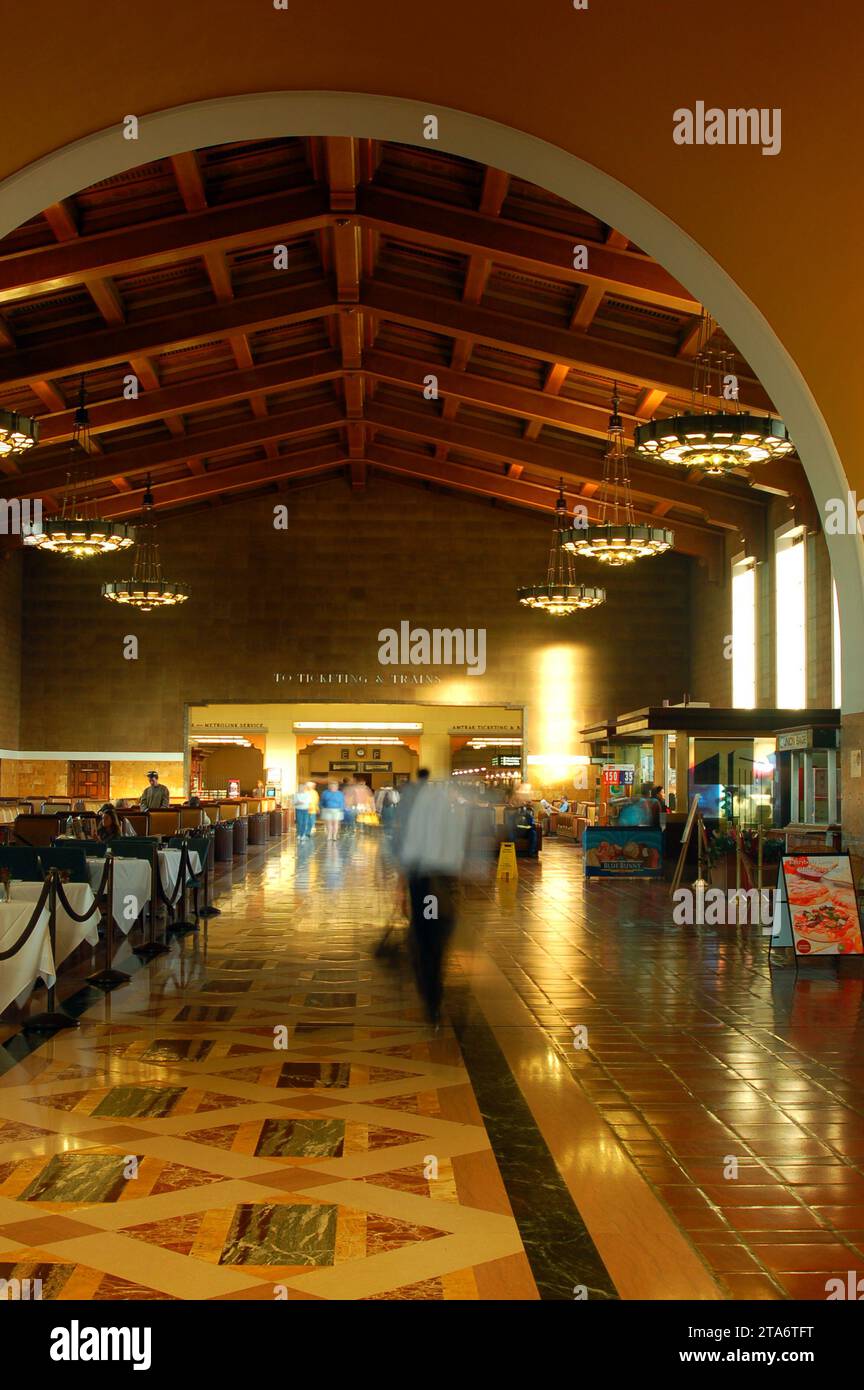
400 264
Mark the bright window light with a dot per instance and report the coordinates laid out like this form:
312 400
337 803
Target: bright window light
744 634
838 683
790 596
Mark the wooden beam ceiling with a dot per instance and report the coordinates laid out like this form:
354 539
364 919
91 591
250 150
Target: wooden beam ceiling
403 266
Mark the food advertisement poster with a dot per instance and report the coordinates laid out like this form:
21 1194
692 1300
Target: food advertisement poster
626 851
820 895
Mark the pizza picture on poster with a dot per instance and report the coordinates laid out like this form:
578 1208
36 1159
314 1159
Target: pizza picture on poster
823 909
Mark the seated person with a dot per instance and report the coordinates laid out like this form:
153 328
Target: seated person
520 823
564 806
109 824
194 804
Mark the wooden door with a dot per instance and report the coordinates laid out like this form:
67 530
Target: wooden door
89 781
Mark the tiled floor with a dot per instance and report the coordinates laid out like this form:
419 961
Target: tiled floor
736 1091
261 1114
264 1114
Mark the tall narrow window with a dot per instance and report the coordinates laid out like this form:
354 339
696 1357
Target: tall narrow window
744 633
790 587
838 683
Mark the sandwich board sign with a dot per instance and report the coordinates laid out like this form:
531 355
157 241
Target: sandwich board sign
816 910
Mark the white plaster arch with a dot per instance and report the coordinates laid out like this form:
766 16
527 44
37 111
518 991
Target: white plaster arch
66 171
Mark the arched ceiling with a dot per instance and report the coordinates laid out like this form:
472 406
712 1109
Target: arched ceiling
400 263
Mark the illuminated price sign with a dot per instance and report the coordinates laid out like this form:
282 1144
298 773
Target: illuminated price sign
619 774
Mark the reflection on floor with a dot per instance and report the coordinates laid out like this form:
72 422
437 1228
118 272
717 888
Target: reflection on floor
263 1113
698 1054
175 1148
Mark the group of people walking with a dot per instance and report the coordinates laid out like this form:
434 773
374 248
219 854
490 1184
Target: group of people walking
347 804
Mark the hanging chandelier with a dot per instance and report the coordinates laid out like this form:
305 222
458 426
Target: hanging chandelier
77 531
146 589
716 440
617 539
18 433
560 595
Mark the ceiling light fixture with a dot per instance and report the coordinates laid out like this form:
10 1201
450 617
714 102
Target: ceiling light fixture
617 539
146 589
18 433
716 440
77 531
560 595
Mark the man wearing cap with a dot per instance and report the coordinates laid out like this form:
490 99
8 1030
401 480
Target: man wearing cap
154 797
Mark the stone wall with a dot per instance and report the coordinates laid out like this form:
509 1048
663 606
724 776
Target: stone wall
314 597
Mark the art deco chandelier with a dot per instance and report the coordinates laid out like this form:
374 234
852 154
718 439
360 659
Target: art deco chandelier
560 595
146 589
18 433
617 539
716 435
77 531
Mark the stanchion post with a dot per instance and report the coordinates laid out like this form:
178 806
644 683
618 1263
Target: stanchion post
52 1019
150 948
759 861
208 910
184 925
109 978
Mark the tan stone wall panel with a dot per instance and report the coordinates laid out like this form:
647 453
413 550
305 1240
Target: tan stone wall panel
314 598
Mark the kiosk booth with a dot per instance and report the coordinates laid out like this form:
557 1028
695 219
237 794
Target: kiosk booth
807 786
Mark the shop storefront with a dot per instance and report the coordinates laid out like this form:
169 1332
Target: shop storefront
749 767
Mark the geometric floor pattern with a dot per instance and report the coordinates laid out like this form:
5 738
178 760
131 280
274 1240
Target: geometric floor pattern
262 1114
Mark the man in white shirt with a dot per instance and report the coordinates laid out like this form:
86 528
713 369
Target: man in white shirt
432 850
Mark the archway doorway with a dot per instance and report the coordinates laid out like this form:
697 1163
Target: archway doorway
261 116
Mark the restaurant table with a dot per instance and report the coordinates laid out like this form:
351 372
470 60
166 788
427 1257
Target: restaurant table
69 932
19 974
132 880
169 867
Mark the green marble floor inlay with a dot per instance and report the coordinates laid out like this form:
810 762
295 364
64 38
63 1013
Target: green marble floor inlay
281 1235
79 1178
177 1050
323 1075
301 1139
145 1101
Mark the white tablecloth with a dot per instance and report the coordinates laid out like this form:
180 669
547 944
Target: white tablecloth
69 932
19 974
132 887
169 867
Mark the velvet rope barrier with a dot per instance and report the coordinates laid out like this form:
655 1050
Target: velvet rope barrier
30 927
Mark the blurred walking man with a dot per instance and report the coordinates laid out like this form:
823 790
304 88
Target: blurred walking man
431 851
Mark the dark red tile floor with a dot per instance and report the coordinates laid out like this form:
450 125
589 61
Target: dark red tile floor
705 1063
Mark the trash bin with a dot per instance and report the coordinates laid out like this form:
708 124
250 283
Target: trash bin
224 841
